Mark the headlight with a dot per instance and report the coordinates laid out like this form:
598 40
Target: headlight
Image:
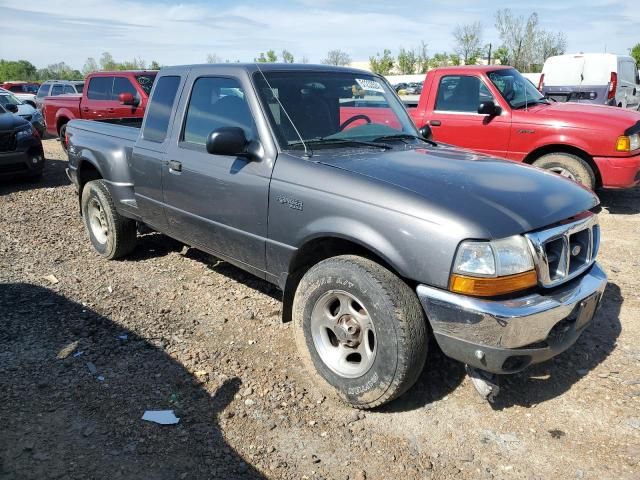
628 143
493 268
24 132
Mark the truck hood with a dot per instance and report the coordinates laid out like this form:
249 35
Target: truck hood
583 115
493 198
9 121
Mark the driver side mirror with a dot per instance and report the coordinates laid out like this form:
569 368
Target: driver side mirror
425 132
229 141
128 99
489 108
11 107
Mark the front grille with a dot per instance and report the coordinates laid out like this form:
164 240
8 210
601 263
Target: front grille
565 251
7 141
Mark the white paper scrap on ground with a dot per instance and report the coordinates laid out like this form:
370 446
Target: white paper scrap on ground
163 417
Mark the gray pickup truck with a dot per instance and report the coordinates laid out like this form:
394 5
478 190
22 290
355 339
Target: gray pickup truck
378 237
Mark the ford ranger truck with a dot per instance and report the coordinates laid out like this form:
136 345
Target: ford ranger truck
496 111
109 96
378 237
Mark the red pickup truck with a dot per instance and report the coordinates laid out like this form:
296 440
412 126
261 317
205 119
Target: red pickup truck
495 110
107 96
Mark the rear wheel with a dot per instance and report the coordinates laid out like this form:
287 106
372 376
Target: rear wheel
360 329
568 166
112 235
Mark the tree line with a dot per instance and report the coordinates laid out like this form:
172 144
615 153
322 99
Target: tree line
25 70
524 44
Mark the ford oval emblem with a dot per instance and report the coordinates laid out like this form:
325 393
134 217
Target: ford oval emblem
575 250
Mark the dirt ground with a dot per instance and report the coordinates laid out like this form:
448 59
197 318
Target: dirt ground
86 346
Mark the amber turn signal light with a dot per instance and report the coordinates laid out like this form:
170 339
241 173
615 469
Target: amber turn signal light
623 144
492 286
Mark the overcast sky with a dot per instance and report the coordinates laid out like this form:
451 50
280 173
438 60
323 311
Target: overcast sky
50 31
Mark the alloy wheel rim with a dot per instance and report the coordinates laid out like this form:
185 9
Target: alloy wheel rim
343 334
563 172
98 221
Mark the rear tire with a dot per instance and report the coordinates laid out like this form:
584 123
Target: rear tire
112 235
360 330
569 166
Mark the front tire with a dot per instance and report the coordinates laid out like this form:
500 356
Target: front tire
62 134
112 235
360 329
568 166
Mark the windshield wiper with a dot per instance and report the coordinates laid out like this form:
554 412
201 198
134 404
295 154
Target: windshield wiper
542 101
405 136
341 141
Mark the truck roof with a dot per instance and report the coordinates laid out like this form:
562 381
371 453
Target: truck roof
268 67
473 68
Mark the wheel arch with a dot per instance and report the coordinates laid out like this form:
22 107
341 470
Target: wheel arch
320 248
570 149
86 172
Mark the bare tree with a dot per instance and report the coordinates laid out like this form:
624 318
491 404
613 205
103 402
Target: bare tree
90 66
468 39
304 60
527 44
337 57
287 56
214 58
422 63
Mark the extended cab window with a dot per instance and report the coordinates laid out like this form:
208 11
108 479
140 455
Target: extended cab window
215 103
68 89
123 85
57 90
160 108
461 93
100 88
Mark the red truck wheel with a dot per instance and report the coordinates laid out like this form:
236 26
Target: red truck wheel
569 166
62 133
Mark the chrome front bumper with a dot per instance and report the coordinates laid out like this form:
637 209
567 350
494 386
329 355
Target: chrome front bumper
505 336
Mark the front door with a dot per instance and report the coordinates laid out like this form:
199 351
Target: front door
455 118
215 202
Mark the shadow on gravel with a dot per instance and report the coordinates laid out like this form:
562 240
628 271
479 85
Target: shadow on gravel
621 202
60 420
52 177
550 379
152 245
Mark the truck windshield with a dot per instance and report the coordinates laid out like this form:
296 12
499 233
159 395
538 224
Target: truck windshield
516 89
331 109
146 81
7 98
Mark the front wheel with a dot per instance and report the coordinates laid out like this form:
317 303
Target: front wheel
62 133
112 235
360 329
568 166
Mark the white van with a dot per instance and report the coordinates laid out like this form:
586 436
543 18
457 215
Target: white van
601 78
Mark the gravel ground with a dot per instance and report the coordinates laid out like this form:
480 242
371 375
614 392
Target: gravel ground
86 346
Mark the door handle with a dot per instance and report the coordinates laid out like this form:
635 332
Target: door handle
85 109
435 123
111 110
175 166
